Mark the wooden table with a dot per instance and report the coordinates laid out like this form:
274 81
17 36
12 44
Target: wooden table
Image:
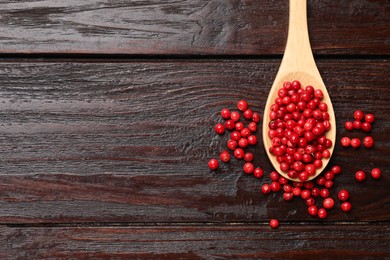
107 114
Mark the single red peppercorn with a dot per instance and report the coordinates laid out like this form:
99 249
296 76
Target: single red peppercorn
366 127
235 135
242 105
258 172
248 114
275 186
248 157
213 164
343 195
274 223
274 176
369 118
336 169
346 206
310 202
297 191
287 188
245 132
312 210
368 142
283 180
219 129
248 168
239 126
321 180
345 141
305 194
328 184
360 175
328 203
225 156
256 117
252 127
288 196
358 115
355 143
376 173
225 113
239 153
252 139
231 144
324 193
357 125
265 188
230 124
348 126
303 176
315 192
322 213
243 142
235 116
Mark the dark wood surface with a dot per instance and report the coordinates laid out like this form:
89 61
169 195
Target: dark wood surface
106 156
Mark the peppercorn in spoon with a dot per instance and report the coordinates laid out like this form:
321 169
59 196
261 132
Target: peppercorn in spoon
299 126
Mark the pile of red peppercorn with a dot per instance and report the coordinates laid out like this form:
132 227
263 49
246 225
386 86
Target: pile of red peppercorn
241 137
299 120
316 193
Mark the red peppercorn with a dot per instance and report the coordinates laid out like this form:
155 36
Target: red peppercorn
310 202
283 180
288 196
358 115
303 176
328 184
231 144
305 194
230 124
287 188
235 116
242 105
219 129
225 113
248 114
369 118
315 192
235 135
329 175
252 139
265 188
275 186
274 176
366 127
343 195
256 117
345 141
225 156
248 168
368 142
297 191
213 164
336 169
248 157
258 172
239 126
245 132
328 203
321 180
355 143
243 142
324 193
252 127
312 210
357 124
348 126
360 175
274 223
322 213
239 153
346 206
376 173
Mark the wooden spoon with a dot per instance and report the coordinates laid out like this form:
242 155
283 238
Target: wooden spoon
298 64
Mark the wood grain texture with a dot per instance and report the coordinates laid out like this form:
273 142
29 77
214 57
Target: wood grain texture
197 242
129 142
216 27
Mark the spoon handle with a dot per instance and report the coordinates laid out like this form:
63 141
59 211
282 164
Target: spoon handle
298 40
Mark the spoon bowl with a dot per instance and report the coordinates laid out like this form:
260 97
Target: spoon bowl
298 64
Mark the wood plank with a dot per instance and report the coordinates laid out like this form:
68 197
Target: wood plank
211 27
194 242
130 141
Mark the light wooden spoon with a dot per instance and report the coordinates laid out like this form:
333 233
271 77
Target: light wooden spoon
298 64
